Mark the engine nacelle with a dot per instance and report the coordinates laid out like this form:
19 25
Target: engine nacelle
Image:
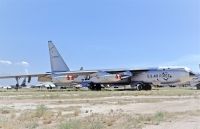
70 77
118 76
123 75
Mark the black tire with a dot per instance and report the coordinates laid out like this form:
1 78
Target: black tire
95 87
98 87
198 86
139 86
91 86
147 87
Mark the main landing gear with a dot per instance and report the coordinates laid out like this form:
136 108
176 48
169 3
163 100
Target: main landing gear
95 87
17 85
141 86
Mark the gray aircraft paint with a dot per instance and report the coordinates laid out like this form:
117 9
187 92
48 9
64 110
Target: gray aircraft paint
56 60
162 77
156 76
61 74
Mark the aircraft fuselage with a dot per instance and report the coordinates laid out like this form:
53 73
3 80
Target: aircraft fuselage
163 77
159 76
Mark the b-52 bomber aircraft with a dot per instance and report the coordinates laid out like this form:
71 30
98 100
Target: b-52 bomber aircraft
140 79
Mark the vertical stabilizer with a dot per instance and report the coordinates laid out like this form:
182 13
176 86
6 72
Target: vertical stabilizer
57 62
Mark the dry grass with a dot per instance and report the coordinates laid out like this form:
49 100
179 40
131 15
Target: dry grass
5 110
112 121
42 118
34 94
122 120
70 117
30 119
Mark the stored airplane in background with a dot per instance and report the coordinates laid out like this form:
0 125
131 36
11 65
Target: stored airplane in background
47 85
140 79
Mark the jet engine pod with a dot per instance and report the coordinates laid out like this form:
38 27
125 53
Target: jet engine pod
70 77
118 76
124 75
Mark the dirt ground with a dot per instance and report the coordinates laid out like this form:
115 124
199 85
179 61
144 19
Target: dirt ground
170 108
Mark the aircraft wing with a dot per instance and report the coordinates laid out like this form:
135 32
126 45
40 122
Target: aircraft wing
111 71
44 77
81 72
24 75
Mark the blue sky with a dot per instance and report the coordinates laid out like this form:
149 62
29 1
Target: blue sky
99 34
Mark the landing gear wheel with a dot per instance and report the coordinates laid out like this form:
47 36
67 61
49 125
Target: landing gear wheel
198 86
91 87
147 87
17 87
139 86
98 87
95 87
